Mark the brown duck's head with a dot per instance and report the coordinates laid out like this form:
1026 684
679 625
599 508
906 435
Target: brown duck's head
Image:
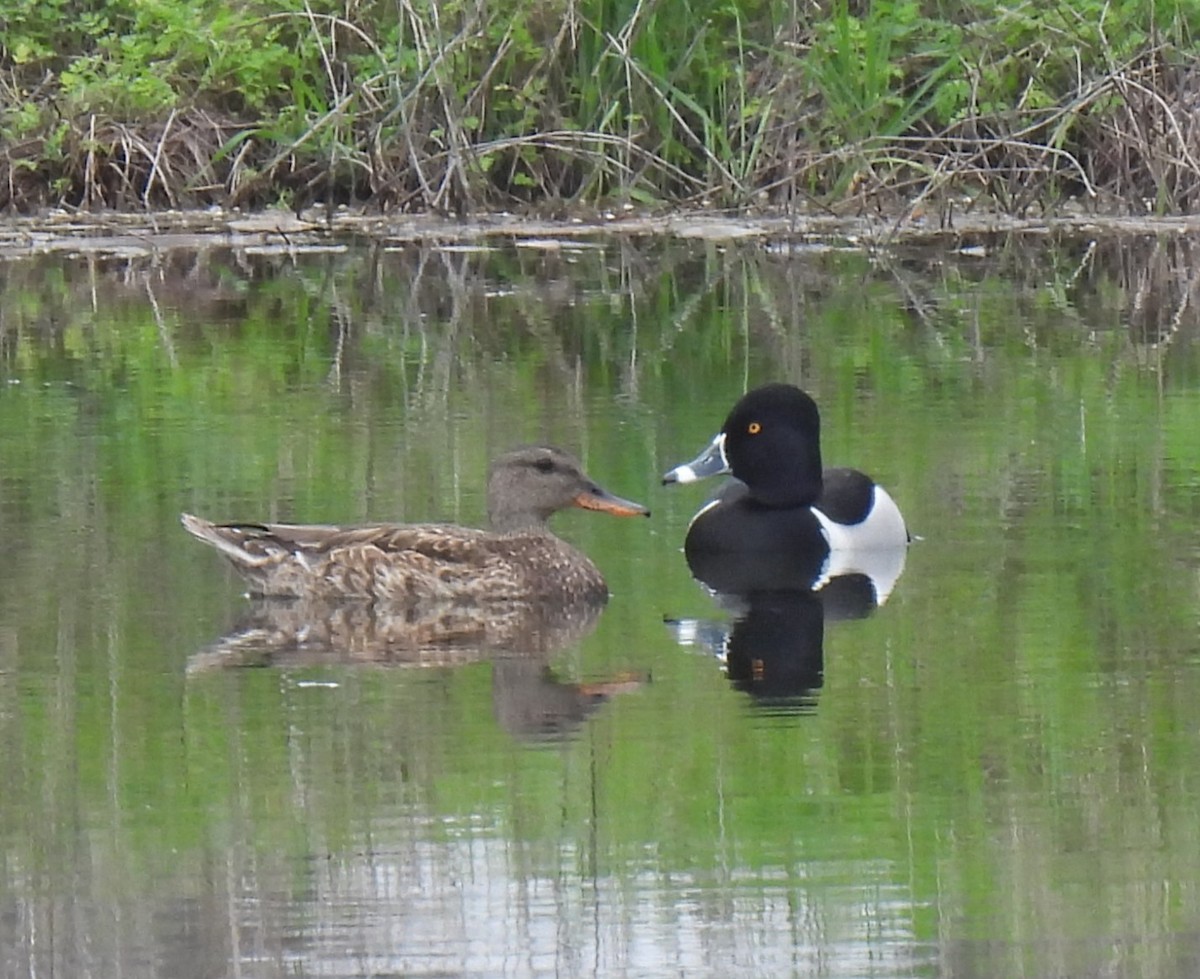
527 485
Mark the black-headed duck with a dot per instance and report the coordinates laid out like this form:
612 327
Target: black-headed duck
782 500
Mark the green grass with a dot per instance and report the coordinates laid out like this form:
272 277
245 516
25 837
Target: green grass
456 107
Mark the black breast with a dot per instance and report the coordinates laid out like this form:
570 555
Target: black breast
736 545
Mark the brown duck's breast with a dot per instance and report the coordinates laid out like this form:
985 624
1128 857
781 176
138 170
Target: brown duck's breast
548 566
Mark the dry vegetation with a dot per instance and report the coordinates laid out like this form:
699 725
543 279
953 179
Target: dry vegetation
457 107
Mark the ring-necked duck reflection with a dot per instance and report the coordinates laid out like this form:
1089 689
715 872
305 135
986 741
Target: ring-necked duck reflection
529 700
772 645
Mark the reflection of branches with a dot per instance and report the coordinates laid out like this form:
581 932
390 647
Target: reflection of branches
427 321
1154 280
1160 278
165 334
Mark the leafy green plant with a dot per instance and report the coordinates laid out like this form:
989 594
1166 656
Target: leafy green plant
455 105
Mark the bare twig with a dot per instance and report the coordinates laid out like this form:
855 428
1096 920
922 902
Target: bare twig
155 162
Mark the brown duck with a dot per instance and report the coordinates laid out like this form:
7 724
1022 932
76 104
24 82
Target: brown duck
518 559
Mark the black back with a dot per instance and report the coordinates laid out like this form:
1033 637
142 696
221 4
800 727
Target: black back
846 496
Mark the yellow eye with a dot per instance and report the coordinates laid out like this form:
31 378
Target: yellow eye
754 428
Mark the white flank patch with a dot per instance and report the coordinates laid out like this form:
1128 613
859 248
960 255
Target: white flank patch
877 547
883 528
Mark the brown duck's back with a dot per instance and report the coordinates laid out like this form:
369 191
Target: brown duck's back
405 563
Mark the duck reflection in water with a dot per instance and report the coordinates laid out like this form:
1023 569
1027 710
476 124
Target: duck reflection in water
529 700
772 646
785 544
433 594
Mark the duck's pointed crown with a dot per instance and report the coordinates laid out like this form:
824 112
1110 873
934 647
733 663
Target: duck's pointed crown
772 440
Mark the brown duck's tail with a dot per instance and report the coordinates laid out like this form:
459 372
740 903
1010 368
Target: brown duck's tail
227 540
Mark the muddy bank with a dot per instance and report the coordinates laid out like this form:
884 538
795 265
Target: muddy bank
134 234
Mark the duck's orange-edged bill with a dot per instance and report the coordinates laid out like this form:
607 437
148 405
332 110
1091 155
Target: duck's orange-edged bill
598 499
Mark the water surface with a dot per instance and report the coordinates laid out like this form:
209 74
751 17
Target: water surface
995 773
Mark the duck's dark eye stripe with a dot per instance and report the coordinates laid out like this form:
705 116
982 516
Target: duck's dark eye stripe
544 465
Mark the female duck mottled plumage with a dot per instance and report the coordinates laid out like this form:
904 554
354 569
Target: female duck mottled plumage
518 559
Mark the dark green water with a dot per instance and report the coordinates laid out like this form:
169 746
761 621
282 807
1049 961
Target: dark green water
998 773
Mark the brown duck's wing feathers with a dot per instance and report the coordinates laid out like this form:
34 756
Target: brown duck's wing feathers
402 563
